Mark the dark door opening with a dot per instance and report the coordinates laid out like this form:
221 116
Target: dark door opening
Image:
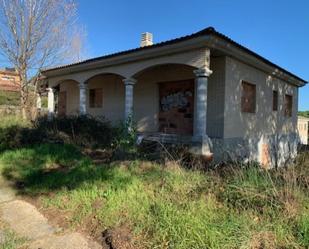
62 104
176 107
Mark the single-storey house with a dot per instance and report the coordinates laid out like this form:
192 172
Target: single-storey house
203 89
303 130
9 80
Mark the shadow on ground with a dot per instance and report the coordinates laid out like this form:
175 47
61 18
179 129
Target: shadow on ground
46 168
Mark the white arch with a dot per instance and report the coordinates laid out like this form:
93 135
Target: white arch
146 68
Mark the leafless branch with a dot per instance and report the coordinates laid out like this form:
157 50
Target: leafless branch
35 34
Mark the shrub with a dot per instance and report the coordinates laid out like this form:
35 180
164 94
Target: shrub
83 131
125 136
78 130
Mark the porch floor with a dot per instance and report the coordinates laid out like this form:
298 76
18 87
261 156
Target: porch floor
166 138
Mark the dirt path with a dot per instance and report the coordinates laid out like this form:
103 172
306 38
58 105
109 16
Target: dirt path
27 222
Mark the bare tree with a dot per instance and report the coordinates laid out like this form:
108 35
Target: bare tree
36 34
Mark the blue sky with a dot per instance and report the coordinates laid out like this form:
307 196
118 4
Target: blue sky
276 29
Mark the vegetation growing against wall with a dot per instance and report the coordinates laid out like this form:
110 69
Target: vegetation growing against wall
143 204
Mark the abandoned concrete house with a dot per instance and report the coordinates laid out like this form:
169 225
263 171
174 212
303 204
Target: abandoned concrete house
203 89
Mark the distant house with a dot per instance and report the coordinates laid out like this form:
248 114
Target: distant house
9 80
303 129
204 89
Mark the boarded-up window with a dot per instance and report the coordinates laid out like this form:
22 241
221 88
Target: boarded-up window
95 98
288 105
248 98
275 101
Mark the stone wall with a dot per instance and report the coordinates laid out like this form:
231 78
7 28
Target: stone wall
9 110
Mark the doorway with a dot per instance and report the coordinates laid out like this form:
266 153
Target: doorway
62 104
176 107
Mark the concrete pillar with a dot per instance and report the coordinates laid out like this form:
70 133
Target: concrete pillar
51 102
38 101
82 98
200 103
129 85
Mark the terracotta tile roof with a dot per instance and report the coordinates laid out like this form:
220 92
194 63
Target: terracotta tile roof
9 71
207 31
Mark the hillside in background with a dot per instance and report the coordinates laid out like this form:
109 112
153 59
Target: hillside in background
304 114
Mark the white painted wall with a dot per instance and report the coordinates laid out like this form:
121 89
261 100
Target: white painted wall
113 97
72 90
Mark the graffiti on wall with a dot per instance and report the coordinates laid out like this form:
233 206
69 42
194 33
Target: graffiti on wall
175 100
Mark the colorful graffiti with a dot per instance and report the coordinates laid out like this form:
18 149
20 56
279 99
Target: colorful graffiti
175 100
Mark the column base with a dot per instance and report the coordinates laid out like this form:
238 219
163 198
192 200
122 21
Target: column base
50 116
202 146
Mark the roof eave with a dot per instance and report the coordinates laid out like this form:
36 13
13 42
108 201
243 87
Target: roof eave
199 39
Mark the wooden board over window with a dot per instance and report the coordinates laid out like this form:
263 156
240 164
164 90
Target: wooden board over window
248 97
288 105
95 98
275 100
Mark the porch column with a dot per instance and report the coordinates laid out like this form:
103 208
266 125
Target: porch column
38 101
129 83
51 102
200 103
82 98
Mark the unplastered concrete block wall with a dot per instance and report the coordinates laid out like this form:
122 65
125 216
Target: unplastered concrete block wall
266 136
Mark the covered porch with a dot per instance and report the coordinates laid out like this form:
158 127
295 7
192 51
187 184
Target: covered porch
166 97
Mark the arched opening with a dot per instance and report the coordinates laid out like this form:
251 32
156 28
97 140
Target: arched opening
105 96
67 97
164 99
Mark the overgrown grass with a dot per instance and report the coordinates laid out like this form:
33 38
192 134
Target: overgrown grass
161 205
9 98
166 206
9 240
83 131
13 120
